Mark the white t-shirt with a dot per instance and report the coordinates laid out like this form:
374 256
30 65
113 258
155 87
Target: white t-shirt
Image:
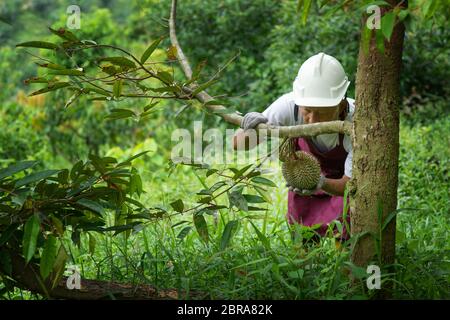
281 113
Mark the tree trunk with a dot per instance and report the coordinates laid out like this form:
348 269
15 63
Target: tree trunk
376 147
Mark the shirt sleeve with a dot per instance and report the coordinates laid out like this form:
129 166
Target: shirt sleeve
348 142
348 164
348 161
281 111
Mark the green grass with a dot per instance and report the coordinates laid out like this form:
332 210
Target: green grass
269 263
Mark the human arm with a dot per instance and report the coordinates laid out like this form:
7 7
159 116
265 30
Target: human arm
279 113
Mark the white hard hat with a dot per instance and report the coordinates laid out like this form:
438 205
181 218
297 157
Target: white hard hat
321 82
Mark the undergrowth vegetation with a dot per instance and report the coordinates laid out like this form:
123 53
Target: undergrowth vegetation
245 254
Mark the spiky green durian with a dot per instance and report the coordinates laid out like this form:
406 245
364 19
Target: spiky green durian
303 172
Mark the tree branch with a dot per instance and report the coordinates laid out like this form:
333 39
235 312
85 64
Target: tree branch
304 130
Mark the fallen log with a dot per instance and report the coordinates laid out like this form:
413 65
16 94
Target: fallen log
26 276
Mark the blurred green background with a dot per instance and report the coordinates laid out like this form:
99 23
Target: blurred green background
272 43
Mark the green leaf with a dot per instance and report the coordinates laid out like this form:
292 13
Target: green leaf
117 88
387 24
253 198
205 200
306 8
166 89
227 234
38 44
150 49
59 266
51 87
48 257
402 14
198 69
52 66
166 77
30 236
297 274
120 114
135 185
121 228
215 207
76 169
92 243
129 160
35 80
177 205
264 181
99 99
181 109
150 106
15 168
237 199
203 87
261 237
428 8
72 99
68 72
216 186
210 172
357 272
58 225
119 61
184 232
98 90
251 208
64 34
91 205
241 171
37 176
201 226
392 215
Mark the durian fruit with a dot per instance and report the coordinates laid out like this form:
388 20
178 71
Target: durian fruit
301 171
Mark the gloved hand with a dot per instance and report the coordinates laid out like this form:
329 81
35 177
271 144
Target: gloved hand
307 192
252 119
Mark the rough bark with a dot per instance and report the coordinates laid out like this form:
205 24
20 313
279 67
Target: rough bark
376 146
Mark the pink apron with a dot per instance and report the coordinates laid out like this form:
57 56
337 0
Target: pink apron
320 208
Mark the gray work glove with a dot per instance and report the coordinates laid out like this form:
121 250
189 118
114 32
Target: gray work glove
252 119
306 192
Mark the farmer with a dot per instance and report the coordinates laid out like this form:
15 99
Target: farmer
319 95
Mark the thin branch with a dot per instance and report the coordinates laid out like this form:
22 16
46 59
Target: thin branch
173 38
304 130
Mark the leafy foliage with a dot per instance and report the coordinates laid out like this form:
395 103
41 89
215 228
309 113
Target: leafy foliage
38 208
220 225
